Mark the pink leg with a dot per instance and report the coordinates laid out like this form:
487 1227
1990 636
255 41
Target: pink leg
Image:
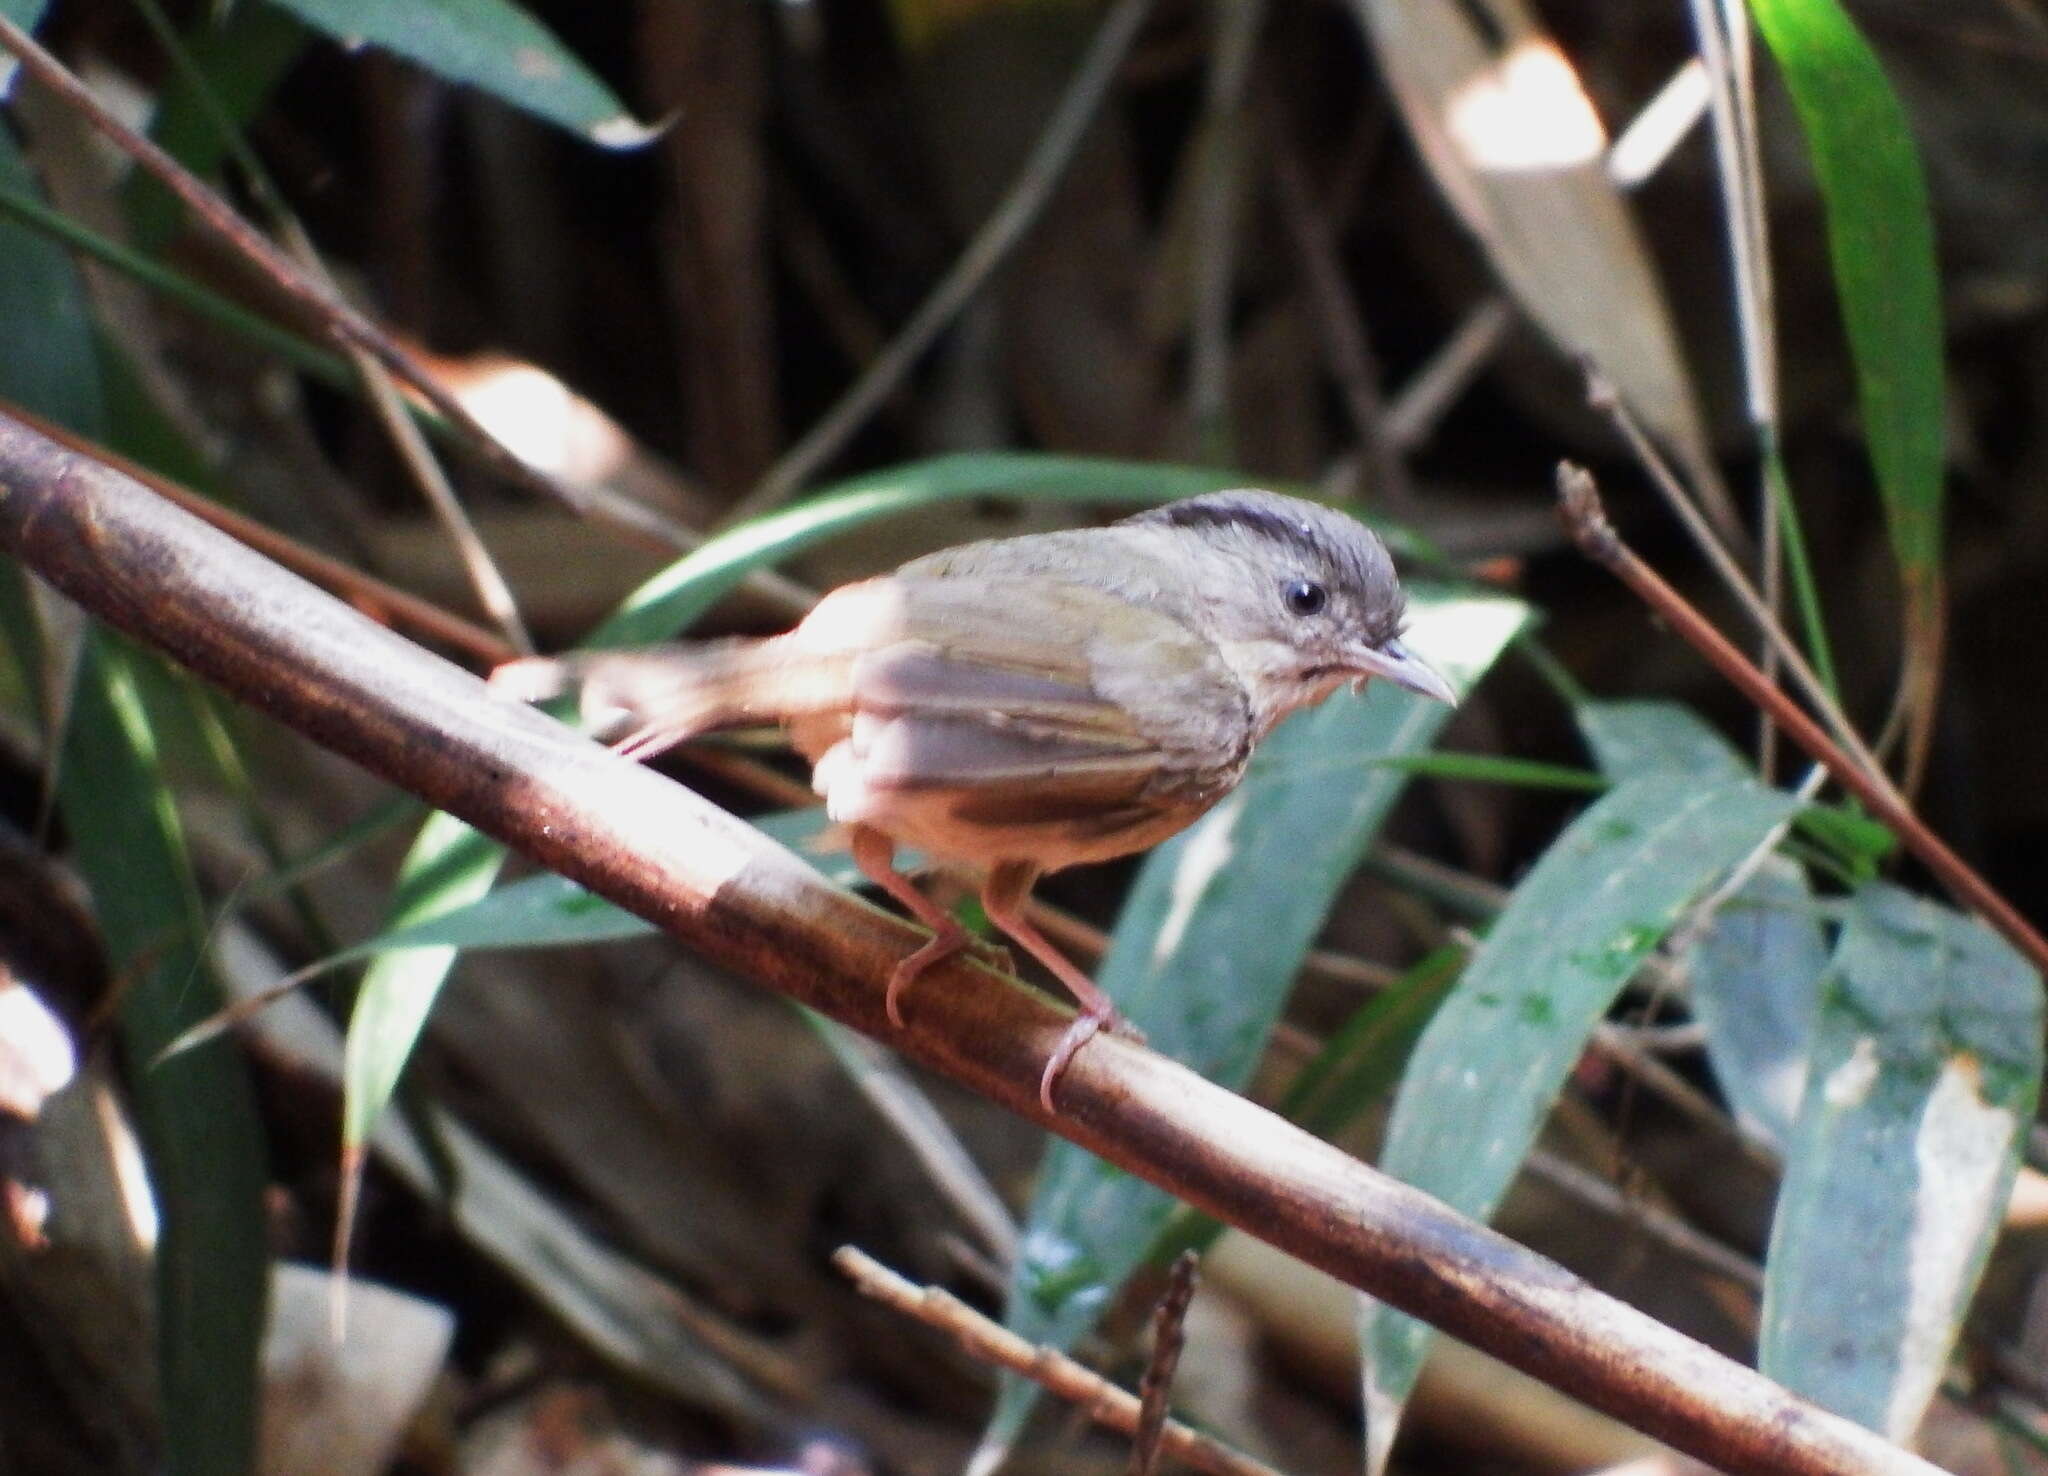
875 854
1002 898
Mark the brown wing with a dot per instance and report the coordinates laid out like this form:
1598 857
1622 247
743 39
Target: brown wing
1072 722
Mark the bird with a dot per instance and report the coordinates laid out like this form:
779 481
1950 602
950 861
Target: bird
1026 704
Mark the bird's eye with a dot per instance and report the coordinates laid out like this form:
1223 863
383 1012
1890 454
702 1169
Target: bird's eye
1304 597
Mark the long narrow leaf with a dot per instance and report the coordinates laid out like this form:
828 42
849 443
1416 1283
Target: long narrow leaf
488 44
1210 940
1756 976
196 1112
1881 242
1926 1065
1881 239
47 359
1499 1049
670 601
449 865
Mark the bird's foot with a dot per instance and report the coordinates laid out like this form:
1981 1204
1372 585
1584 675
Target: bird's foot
943 945
1087 1025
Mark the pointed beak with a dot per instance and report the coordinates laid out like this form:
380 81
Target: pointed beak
1395 663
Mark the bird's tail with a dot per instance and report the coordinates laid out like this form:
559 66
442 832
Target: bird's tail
649 700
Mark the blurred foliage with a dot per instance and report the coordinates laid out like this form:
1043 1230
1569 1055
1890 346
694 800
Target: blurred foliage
1258 254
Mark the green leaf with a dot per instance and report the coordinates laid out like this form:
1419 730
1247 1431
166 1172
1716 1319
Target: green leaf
1881 239
678 595
47 359
20 630
549 911
1631 739
1755 985
1488 768
196 1113
488 44
1499 1049
242 54
1364 1057
1860 843
449 865
1209 941
1926 1066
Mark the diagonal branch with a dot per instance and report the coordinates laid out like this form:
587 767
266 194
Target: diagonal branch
721 888
1587 520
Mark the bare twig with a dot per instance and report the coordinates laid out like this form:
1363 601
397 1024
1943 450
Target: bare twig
342 321
1587 520
1218 155
1003 229
721 888
947 1164
1659 1225
1155 1389
1058 1374
1421 402
486 580
1341 324
1737 583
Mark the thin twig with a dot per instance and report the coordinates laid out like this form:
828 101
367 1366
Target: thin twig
1218 154
1155 1389
1624 1050
1723 30
991 245
1587 521
1659 1225
1737 583
486 580
1340 321
991 1342
947 1164
1415 409
719 887
342 321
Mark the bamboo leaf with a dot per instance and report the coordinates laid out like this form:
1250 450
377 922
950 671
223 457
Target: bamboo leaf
1881 240
670 601
1756 976
487 44
47 359
449 866
1500 1047
1515 145
1926 1065
196 1113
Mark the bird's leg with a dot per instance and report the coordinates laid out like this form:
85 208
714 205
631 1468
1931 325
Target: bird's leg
875 854
1002 898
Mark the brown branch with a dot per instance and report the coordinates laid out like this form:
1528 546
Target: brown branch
343 322
1058 1374
1155 1389
1586 519
722 889
386 603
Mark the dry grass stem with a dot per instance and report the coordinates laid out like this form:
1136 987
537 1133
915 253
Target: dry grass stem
992 1343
